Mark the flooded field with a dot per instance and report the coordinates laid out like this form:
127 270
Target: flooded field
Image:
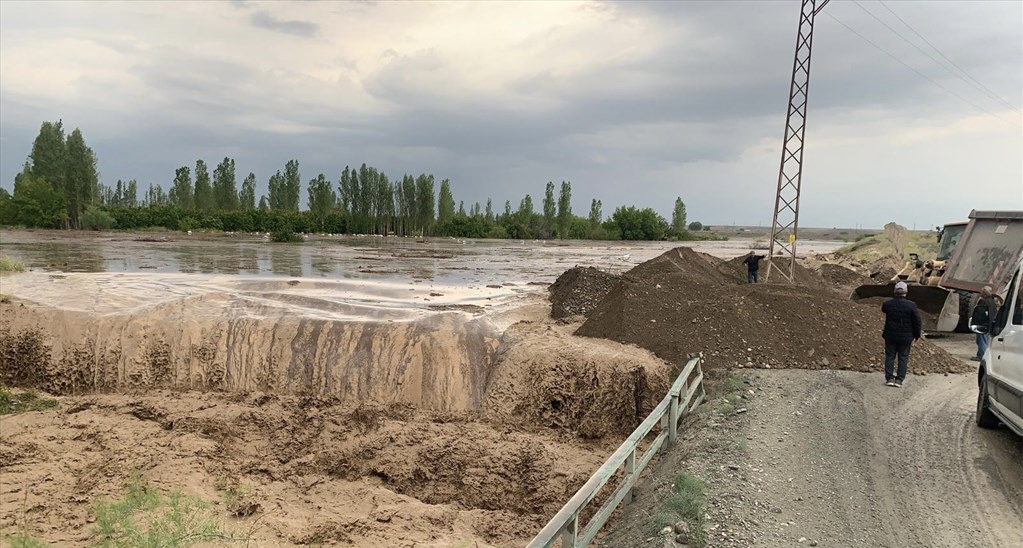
444 260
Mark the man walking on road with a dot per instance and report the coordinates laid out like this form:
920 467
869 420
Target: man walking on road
984 315
901 327
752 262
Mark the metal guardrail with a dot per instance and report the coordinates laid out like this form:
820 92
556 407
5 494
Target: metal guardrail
565 524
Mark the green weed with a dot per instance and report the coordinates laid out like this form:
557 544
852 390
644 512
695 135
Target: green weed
688 502
146 518
12 404
8 264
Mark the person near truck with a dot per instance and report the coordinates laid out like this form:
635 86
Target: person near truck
902 326
984 316
752 262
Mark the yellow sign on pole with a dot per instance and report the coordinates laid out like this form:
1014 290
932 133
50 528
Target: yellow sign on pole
792 238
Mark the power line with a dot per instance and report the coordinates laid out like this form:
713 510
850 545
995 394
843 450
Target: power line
976 86
918 73
983 88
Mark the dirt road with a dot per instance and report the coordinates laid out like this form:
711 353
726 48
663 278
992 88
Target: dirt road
836 459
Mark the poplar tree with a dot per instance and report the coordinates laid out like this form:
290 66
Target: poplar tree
181 193
203 190
247 195
564 209
322 199
225 185
445 203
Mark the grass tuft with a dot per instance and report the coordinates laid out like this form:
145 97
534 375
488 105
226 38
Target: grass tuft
12 404
146 518
8 264
687 503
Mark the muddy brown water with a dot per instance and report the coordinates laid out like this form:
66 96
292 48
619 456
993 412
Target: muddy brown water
447 260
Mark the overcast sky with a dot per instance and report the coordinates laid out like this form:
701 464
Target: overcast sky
634 103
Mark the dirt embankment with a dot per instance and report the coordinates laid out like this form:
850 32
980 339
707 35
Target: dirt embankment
685 302
446 430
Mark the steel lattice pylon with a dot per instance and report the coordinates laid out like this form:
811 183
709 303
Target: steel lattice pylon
786 202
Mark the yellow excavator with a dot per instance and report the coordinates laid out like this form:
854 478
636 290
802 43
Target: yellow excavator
923 276
971 255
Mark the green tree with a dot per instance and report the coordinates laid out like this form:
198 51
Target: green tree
425 200
346 193
445 204
49 155
383 203
322 199
277 200
635 224
549 210
678 217
225 185
564 209
596 216
461 208
292 185
81 180
507 208
131 194
247 195
489 215
263 205
526 206
204 200
36 203
181 193
696 226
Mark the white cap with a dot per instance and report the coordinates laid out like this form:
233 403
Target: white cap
901 288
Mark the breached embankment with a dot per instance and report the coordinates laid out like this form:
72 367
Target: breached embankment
348 413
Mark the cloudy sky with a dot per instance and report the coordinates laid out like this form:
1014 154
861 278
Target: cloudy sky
634 103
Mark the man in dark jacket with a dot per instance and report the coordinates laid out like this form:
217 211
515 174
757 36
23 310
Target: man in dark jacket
984 315
752 262
901 328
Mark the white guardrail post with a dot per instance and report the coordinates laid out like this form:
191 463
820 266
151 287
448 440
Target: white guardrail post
684 396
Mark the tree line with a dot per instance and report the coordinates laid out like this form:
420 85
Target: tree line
59 188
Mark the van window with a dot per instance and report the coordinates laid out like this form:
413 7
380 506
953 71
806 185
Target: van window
1017 314
1003 312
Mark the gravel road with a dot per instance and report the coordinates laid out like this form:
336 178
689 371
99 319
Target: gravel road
850 462
837 459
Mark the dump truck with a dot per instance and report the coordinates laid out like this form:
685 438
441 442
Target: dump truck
924 277
986 255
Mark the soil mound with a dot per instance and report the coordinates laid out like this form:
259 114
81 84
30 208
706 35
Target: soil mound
748 325
579 290
843 276
682 265
545 377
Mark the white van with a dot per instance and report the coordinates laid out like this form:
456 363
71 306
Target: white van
1000 398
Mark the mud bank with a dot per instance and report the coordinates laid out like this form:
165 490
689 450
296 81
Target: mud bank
81 333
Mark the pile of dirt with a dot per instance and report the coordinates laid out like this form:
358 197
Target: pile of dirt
675 308
843 276
579 290
546 378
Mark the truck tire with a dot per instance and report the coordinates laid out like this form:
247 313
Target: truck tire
965 310
985 418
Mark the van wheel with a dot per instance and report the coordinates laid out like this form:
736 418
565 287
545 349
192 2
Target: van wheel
985 418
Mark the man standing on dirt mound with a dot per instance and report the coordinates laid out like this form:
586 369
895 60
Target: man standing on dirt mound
901 328
752 262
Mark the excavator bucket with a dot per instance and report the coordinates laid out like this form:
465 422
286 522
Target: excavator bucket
928 298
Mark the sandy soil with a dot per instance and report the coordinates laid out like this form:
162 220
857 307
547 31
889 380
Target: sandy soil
836 459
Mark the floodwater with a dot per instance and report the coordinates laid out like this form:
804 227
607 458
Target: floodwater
447 261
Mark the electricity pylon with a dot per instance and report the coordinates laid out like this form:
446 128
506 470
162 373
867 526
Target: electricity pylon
786 202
